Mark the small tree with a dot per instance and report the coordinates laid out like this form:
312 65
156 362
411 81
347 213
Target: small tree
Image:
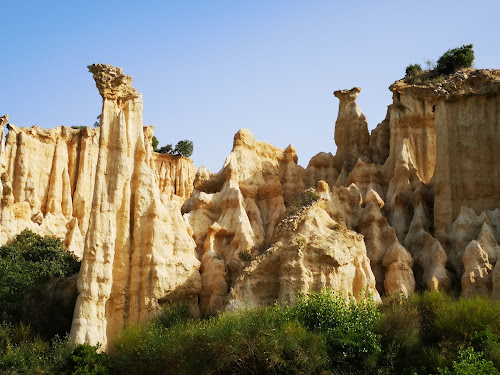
412 70
97 124
168 149
154 143
455 58
182 148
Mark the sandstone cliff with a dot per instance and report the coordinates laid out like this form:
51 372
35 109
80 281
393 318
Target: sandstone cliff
411 206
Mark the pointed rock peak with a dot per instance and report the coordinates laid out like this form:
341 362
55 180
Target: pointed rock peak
342 178
291 154
372 215
486 233
373 196
420 220
244 138
4 120
111 82
466 218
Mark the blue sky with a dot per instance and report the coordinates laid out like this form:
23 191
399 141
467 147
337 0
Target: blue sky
209 68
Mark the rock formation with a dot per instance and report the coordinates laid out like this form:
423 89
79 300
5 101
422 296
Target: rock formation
392 212
137 249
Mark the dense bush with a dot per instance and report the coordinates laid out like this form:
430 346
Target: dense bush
22 352
448 63
348 327
412 70
470 362
26 262
258 341
182 148
426 332
86 360
456 58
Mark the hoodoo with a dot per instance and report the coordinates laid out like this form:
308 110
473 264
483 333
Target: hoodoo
411 206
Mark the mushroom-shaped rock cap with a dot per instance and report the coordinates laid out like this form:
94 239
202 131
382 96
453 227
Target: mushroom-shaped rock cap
347 95
111 82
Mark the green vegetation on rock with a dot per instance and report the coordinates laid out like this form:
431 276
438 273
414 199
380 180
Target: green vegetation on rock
451 61
26 262
182 148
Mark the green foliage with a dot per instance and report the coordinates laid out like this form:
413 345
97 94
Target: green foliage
77 127
349 327
456 58
412 70
470 362
425 332
27 261
85 360
154 143
97 124
448 63
173 314
259 341
182 148
22 352
324 333
168 149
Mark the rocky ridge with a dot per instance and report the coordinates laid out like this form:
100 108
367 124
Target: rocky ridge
414 205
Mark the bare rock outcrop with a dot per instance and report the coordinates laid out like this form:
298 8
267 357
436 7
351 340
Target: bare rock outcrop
351 130
310 254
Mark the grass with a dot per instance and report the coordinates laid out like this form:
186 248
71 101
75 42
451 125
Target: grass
428 333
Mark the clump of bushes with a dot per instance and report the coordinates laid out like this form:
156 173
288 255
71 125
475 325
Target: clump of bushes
412 70
451 61
26 262
456 58
323 334
430 332
182 148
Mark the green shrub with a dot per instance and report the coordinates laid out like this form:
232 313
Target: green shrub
173 314
412 70
22 352
426 331
258 341
487 342
400 331
352 343
27 261
456 58
182 148
85 360
154 143
470 362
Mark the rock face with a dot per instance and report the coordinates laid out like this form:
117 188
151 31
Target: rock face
137 249
392 212
238 214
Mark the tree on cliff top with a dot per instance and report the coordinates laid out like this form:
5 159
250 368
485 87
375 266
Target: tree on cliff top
455 59
182 148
